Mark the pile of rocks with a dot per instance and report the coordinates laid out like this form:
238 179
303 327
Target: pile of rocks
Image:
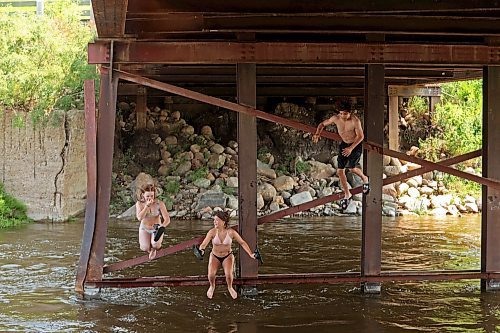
198 174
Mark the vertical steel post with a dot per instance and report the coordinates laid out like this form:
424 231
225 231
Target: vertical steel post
90 206
105 143
247 171
373 168
490 225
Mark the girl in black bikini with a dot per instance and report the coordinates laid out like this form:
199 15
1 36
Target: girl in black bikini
222 237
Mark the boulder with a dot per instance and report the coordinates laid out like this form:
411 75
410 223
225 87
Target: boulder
284 183
267 191
300 198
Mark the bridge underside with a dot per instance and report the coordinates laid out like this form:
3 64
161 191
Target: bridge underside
230 55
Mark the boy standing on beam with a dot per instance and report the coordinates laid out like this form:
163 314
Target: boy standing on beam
350 149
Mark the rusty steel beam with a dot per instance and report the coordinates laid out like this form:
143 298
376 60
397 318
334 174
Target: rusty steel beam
490 221
230 91
160 253
296 70
90 207
422 170
309 278
104 149
293 53
247 171
324 23
319 6
371 231
434 166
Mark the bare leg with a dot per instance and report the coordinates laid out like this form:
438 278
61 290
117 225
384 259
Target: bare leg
144 240
360 173
228 272
343 181
213 266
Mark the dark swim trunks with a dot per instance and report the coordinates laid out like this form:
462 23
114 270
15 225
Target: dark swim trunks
351 161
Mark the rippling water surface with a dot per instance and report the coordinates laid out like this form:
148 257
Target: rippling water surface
37 270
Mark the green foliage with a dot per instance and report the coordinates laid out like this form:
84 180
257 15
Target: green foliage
458 120
418 106
168 200
302 167
462 186
43 63
228 190
172 187
198 174
12 211
284 166
261 153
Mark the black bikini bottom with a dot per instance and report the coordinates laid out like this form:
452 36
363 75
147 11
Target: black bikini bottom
221 259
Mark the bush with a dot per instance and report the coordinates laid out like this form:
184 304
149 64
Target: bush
458 120
172 187
44 63
12 211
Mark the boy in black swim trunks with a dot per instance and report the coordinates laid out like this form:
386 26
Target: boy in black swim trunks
350 149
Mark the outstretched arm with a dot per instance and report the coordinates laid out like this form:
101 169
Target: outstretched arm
208 238
321 126
243 244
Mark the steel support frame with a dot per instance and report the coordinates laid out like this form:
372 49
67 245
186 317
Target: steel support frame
105 145
96 279
247 172
490 224
428 166
371 239
318 278
91 163
130 52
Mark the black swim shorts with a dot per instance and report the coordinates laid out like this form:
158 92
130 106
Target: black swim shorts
351 161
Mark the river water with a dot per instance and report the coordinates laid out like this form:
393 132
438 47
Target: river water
38 262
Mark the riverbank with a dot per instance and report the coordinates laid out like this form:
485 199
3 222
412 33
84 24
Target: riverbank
197 173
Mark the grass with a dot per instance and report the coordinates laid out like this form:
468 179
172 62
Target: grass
12 211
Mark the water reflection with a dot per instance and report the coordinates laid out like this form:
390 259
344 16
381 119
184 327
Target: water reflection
37 267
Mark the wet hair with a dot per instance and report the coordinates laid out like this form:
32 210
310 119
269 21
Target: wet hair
223 216
343 105
148 188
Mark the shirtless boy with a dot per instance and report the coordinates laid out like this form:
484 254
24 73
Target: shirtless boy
350 149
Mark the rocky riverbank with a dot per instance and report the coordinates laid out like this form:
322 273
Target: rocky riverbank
196 174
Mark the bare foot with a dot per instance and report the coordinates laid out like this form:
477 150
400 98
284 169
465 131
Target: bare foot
233 292
210 292
152 253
